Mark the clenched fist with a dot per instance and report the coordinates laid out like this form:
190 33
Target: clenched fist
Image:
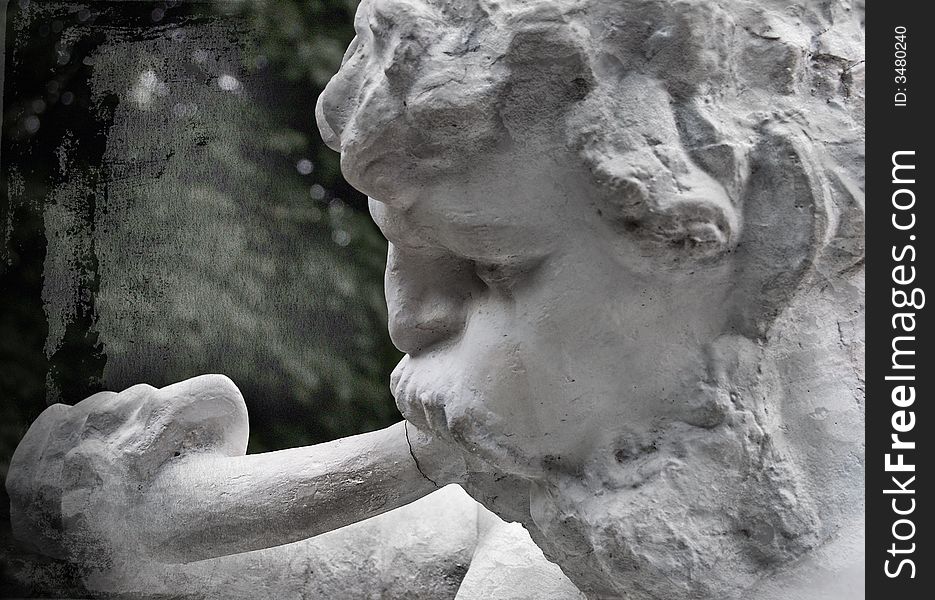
82 479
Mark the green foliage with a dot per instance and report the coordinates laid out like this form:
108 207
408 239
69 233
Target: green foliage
303 40
300 46
287 275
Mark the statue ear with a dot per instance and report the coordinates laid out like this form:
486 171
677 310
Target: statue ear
784 222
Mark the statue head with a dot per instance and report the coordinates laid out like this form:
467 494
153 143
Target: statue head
625 248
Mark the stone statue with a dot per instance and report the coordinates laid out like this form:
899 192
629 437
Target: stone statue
625 266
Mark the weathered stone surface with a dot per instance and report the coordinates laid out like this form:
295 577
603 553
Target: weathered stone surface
626 248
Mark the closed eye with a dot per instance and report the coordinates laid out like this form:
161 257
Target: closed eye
506 276
495 275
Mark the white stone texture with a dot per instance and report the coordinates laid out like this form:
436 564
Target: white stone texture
626 245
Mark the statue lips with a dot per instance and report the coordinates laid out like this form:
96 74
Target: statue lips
446 410
419 403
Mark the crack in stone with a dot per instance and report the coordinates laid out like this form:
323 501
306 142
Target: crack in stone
413 455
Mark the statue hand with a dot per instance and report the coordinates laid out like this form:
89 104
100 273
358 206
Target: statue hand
78 479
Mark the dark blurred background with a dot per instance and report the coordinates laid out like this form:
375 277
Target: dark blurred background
169 209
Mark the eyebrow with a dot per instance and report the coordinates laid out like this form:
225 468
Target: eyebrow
466 234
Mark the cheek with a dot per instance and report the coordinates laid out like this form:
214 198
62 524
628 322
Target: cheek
601 351
493 358
572 368
531 373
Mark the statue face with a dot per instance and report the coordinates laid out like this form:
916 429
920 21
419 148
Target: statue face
527 317
523 327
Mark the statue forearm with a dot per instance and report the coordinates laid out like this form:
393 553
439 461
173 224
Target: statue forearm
208 506
160 474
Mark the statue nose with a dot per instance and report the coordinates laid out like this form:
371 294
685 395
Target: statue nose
414 328
425 298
